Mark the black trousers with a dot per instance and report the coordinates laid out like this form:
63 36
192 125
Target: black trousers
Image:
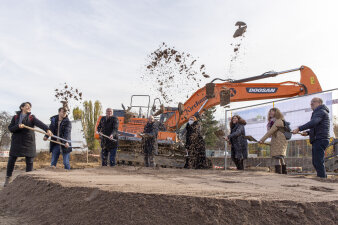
11 164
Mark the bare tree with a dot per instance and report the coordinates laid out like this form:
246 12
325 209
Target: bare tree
5 136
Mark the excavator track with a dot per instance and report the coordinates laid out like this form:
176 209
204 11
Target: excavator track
130 152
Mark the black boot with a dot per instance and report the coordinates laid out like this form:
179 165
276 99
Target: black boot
7 181
241 164
284 171
236 161
278 169
146 161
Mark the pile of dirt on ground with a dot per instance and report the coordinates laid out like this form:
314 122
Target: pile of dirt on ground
136 195
173 74
43 159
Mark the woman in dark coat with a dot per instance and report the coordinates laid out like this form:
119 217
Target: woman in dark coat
239 144
195 145
23 140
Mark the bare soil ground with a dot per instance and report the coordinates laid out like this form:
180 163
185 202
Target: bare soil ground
138 195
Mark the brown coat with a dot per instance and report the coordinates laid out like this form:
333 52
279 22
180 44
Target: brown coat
279 143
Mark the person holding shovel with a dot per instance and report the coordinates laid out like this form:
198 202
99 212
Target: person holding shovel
108 130
61 126
149 138
239 145
279 144
318 130
23 140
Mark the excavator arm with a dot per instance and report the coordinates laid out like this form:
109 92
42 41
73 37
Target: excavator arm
239 90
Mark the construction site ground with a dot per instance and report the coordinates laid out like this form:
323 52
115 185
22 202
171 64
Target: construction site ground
139 195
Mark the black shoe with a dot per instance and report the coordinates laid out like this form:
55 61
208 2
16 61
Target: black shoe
284 171
236 161
241 163
7 181
278 169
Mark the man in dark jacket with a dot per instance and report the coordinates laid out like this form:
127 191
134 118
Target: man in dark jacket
61 126
23 140
318 126
108 126
150 146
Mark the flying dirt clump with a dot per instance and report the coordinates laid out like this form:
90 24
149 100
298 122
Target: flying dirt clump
238 33
173 74
66 95
240 30
237 45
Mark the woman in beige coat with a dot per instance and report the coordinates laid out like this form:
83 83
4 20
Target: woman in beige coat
279 143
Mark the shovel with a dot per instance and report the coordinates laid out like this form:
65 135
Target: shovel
103 135
144 135
57 142
250 138
54 136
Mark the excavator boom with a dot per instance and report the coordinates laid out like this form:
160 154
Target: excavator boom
238 90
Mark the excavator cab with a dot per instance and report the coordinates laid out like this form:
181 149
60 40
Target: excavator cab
143 110
165 116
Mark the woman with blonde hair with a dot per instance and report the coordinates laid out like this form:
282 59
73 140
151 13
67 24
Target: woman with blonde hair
279 144
239 145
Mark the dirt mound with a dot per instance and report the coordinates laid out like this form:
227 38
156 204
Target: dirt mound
42 200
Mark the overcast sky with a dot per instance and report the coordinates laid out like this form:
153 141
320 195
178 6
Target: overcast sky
100 47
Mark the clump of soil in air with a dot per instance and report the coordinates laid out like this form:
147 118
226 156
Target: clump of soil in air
237 43
66 95
240 30
238 33
173 74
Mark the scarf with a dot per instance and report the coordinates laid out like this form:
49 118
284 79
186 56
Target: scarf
270 124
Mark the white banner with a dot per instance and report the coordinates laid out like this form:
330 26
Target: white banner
297 111
4 153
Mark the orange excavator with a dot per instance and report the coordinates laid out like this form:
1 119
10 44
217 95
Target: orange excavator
212 94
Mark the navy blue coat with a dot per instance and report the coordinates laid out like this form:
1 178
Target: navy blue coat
65 132
319 124
23 140
239 145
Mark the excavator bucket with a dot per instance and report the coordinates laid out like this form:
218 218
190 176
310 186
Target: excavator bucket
224 97
310 80
210 90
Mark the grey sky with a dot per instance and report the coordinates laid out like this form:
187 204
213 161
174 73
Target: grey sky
100 47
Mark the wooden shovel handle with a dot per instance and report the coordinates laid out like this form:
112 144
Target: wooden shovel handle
34 129
56 142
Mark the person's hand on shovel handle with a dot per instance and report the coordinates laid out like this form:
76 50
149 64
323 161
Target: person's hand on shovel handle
49 133
295 131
